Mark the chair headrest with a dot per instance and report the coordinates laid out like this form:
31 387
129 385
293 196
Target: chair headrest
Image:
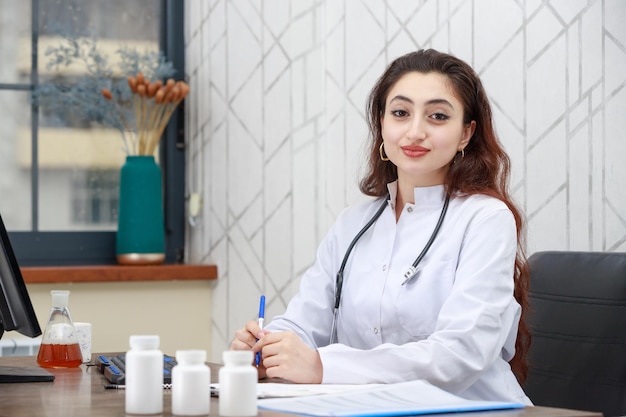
579 274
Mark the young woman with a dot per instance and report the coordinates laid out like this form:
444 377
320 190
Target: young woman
429 280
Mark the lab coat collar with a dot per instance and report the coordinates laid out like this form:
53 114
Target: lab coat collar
424 196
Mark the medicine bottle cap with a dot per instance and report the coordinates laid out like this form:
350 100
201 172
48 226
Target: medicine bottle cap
237 357
188 357
60 298
142 342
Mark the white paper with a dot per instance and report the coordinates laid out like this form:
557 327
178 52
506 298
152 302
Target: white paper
286 390
280 390
406 398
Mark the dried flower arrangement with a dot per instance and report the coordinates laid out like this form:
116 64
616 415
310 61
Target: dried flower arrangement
153 104
111 94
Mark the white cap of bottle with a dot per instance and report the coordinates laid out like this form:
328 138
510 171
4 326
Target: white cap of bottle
143 342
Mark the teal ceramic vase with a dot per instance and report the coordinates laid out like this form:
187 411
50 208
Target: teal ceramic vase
140 236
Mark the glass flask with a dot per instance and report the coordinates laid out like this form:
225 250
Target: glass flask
59 344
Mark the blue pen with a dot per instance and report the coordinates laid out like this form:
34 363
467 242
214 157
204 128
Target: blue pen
260 321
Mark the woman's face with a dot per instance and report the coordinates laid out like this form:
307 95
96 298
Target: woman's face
423 128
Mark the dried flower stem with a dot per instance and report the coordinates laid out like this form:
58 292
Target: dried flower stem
126 127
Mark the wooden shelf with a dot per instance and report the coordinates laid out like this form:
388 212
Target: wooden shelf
116 273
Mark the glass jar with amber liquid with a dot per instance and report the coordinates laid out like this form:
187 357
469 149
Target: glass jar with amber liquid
59 344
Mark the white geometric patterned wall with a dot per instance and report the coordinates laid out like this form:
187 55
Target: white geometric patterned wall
276 127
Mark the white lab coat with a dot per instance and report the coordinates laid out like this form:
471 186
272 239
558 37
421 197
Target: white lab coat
454 324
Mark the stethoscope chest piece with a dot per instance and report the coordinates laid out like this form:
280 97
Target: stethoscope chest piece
412 272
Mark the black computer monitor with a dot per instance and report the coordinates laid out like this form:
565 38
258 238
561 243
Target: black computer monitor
16 311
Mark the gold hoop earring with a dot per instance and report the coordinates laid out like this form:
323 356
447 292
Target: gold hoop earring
462 152
382 151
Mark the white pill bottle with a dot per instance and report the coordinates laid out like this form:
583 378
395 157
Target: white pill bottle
144 376
191 384
238 384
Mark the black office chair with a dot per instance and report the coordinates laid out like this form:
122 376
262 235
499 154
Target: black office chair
577 321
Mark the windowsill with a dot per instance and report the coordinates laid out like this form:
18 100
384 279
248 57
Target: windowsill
116 273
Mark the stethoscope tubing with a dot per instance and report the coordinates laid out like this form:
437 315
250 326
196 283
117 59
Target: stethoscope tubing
339 278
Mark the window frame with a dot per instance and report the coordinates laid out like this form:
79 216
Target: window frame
64 248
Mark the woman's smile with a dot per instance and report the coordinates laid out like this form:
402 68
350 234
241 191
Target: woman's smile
414 151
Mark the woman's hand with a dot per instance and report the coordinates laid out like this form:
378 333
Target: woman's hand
246 338
284 355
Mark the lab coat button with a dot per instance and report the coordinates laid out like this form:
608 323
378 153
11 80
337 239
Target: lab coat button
409 209
375 330
384 267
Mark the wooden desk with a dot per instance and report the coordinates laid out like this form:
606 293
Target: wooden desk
80 393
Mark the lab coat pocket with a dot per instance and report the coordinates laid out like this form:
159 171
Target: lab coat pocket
421 299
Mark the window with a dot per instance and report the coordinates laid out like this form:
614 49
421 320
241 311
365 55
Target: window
59 174
95 198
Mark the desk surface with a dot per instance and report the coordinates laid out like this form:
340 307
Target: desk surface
80 393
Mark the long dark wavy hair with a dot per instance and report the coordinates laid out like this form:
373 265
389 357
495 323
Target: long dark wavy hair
484 169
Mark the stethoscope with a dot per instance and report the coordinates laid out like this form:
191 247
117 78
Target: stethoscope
411 272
